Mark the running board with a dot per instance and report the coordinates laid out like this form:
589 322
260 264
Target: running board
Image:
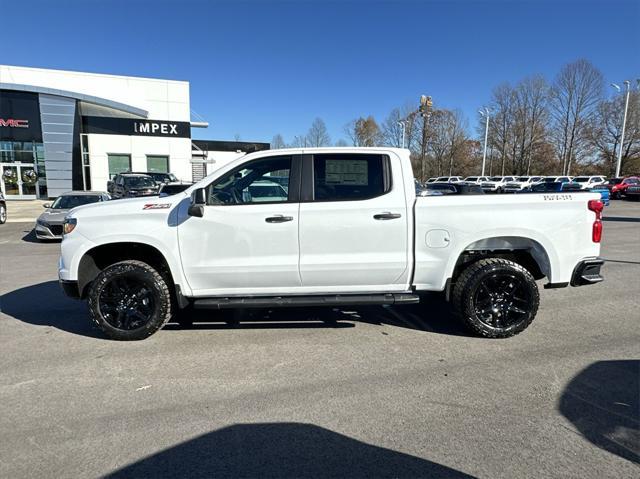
312 300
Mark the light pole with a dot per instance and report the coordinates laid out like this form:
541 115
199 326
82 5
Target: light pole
624 124
485 114
403 124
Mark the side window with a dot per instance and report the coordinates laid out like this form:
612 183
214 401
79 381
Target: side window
347 177
261 181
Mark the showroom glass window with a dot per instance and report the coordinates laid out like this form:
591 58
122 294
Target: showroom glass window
118 164
158 164
261 181
349 177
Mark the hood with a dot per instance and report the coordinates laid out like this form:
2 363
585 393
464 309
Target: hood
128 205
53 216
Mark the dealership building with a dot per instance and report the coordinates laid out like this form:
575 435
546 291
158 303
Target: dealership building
63 130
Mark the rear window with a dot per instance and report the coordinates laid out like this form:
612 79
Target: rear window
347 177
581 179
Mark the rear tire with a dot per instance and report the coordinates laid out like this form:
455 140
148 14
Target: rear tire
3 214
129 301
495 298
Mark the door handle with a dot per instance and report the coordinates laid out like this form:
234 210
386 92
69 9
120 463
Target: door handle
278 219
386 216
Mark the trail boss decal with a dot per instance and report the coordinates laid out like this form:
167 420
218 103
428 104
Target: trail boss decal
156 206
557 197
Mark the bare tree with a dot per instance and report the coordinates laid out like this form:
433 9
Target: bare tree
277 143
299 141
363 131
317 134
575 95
341 142
448 141
604 134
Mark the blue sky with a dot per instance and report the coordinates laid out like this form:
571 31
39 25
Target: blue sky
259 67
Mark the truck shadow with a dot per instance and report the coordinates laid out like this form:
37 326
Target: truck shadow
44 304
286 450
603 404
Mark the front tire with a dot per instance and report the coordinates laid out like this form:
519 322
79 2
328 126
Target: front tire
129 301
3 214
496 298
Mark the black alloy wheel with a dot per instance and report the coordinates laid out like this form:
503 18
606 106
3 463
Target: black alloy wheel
127 302
130 300
495 298
501 300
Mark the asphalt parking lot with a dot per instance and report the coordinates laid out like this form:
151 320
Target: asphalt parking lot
376 392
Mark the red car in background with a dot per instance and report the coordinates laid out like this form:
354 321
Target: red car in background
618 186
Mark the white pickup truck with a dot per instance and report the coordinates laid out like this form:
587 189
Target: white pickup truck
349 231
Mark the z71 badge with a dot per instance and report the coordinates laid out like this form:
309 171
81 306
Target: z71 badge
557 197
156 206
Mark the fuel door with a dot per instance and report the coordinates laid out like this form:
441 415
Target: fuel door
438 238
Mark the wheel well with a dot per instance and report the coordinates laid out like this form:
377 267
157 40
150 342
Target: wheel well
98 258
526 252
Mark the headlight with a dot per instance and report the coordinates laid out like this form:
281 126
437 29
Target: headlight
69 225
41 223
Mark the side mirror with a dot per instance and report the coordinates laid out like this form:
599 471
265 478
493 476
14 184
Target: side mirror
47 205
198 200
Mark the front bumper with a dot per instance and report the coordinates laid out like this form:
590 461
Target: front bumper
587 271
48 231
70 288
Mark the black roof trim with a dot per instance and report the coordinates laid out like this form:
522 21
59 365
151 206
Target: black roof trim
219 145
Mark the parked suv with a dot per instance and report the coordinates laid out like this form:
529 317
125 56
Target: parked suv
588 182
476 180
618 186
159 177
496 183
520 183
448 179
132 185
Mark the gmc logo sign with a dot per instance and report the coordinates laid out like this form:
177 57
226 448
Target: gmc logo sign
12 123
152 127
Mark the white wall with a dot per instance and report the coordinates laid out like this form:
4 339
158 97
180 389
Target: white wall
178 150
218 159
163 99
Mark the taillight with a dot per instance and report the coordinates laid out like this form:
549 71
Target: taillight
596 232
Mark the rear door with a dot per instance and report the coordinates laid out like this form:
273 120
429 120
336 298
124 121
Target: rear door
353 223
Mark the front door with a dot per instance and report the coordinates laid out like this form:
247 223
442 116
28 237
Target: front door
18 181
247 239
354 226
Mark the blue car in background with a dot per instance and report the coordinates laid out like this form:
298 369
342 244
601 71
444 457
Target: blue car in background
551 187
605 194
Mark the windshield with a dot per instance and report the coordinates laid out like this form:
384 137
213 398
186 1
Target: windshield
631 181
471 178
581 179
67 202
267 192
523 178
139 181
443 178
495 178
